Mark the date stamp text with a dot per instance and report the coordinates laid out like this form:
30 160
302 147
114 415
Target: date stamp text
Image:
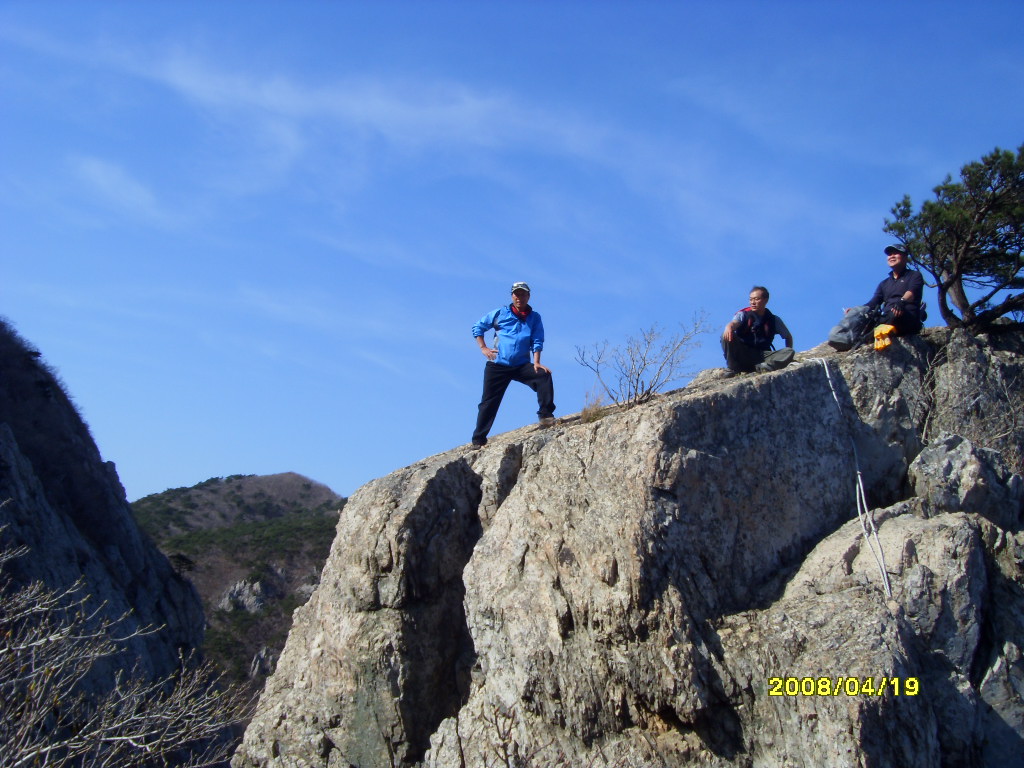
843 686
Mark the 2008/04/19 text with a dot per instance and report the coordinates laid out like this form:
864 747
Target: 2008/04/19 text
842 686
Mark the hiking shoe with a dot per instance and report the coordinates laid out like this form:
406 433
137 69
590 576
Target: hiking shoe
728 373
547 421
476 446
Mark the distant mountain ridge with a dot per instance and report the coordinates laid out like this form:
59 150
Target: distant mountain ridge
224 501
253 546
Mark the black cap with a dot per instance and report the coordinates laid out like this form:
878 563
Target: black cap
891 249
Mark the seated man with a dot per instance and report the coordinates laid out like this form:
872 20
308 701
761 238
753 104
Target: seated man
899 294
747 339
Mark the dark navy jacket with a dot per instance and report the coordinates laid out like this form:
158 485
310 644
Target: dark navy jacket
891 290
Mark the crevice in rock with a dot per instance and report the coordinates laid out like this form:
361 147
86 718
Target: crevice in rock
438 648
508 472
497 484
721 730
933 362
996 626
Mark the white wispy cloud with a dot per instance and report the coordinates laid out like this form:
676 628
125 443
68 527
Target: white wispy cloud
409 113
286 125
309 309
112 185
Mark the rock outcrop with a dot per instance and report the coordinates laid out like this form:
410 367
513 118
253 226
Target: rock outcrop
250 595
67 506
686 583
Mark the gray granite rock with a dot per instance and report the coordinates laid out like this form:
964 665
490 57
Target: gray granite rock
623 592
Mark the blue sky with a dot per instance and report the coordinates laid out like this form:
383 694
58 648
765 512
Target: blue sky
253 237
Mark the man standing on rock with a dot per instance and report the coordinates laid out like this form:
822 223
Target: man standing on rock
899 295
519 333
747 339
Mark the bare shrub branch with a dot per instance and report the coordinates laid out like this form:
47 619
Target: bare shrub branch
50 641
633 373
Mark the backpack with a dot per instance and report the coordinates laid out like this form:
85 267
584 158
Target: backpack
855 328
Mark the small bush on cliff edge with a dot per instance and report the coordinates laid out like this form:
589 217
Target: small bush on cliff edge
633 373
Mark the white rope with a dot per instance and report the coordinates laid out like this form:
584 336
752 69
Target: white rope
867 521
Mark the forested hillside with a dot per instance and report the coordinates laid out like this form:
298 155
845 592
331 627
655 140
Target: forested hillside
254 547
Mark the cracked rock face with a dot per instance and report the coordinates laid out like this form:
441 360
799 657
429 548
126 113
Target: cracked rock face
623 592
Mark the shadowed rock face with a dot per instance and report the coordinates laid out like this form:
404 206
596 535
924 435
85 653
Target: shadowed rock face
620 593
68 507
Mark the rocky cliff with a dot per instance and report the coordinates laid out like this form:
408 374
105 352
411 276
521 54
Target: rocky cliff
687 583
68 507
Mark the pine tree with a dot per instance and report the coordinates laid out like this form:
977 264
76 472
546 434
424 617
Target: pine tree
969 239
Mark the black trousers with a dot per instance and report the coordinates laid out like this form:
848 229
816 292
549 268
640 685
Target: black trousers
497 377
906 324
741 357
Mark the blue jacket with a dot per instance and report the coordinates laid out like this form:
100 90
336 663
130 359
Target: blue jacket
517 339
